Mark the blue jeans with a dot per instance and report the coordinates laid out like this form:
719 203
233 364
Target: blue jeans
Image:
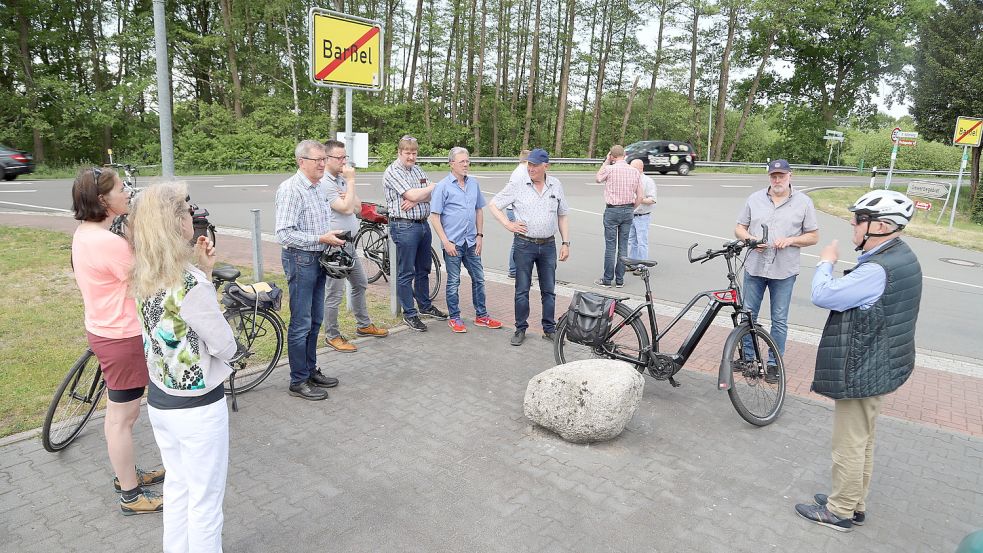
305 283
544 257
413 270
638 238
617 224
472 262
780 296
511 215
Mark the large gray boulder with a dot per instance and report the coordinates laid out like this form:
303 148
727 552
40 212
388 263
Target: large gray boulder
585 401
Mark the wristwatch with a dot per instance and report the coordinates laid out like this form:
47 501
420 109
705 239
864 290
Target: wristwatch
481 235
565 243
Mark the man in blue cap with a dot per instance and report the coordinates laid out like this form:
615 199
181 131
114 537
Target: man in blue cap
540 209
791 221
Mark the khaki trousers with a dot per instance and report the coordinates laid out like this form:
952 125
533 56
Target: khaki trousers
853 453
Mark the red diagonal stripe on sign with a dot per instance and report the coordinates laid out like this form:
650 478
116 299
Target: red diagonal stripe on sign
347 54
967 133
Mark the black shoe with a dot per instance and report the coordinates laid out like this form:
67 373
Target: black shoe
602 284
306 391
512 275
318 380
434 313
518 337
549 336
415 323
771 374
619 284
819 514
859 517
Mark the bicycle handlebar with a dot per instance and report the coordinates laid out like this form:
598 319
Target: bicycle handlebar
730 249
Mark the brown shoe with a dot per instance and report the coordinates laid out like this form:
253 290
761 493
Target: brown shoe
146 502
340 344
372 330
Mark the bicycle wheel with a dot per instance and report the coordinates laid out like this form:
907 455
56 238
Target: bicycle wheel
75 400
261 334
373 247
759 390
434 273
626 342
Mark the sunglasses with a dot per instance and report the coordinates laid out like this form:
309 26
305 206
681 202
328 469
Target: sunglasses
408 138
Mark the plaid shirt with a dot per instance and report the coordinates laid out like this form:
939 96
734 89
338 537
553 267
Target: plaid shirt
302 213
621 181
396 181
539 211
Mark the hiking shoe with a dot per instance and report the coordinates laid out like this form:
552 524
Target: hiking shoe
602 284
146 502
319 380
144 478
415 323
771 374
518 337
307 391
859 517
487 322
434 313
619 284
457 325
371 330
549 336
340 344
823 517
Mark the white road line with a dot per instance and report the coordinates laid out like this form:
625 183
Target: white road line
735 186
15 191
38 207
660 184
240 186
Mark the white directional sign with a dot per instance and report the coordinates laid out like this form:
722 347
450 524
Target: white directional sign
928 189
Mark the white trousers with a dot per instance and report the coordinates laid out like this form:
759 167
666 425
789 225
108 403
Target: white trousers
194 445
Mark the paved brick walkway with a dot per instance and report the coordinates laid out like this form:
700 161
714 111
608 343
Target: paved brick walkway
424 447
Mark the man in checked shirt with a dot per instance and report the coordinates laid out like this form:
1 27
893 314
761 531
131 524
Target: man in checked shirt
623 192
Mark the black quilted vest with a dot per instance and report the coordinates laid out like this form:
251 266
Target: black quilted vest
870 352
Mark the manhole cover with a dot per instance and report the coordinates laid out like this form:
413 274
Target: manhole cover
960 262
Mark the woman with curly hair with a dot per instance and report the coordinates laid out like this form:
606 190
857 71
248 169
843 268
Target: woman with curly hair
188 344
102 261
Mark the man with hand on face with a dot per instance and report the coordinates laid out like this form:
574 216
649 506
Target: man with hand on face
540 212
623 192
339 183
791 221
303 229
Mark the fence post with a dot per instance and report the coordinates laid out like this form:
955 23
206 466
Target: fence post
257 248
873 175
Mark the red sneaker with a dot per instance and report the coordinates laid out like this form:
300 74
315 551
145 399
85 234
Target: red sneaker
488 322
457 325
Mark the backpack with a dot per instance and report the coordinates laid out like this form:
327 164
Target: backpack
588 318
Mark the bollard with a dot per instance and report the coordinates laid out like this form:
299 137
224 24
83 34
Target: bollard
257 248
873 175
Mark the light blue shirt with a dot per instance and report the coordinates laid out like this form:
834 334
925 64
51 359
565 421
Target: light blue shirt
457 208
861 287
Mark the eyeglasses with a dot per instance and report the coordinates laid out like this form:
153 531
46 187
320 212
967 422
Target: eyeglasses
408 138
340 158
463 161
191 210
316 160
96 173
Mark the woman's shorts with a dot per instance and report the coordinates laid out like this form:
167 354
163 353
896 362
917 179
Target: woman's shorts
123 365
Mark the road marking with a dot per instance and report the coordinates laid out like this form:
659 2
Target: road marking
240 186
660 184
15 191
735 186
38 207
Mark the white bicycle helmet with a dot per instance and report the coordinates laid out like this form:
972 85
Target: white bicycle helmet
884 205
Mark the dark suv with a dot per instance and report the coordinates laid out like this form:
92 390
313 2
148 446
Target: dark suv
663 156
14 162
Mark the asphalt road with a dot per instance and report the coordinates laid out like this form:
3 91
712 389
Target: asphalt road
695 209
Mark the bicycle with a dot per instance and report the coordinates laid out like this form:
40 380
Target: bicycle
750 353
372 244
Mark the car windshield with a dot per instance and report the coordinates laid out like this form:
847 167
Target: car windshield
637 147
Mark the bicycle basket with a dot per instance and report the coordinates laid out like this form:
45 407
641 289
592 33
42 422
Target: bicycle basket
370 213
588 318
261 294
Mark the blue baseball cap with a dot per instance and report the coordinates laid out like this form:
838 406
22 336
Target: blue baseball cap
779 166
538 156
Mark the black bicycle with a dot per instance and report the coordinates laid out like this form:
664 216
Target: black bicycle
372 244
751 368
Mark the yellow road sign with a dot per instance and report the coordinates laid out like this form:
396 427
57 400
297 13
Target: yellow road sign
346 51
969 130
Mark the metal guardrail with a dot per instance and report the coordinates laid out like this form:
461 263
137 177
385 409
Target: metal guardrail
881 171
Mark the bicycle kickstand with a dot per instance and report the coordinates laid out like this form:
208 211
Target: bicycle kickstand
674 383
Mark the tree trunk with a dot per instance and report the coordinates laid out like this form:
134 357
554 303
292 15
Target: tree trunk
387 46
650 104
23 28
520 58
293 66
631 100
590 69
561 107
456 84
472 18
231 49
427 84
476 119
721 122
532 81
694 33
446 83
599 92
751 93
416 46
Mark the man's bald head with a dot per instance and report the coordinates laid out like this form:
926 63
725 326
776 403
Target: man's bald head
638 164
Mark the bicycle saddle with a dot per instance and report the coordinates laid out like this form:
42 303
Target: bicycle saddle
226 273
636 262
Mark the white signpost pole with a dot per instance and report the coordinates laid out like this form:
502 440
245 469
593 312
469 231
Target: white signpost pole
959 182
894 156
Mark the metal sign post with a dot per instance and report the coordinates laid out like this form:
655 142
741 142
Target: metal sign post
894 156
959 183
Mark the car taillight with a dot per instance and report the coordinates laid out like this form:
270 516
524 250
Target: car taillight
19 158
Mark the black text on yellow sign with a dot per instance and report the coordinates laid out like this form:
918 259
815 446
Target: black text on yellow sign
969 131
345 51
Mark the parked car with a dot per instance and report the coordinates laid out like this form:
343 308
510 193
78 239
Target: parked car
14 162
663 156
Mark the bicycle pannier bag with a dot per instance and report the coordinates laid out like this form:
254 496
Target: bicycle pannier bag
266 294
589 318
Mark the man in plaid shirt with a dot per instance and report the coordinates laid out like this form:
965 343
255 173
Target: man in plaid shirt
623 192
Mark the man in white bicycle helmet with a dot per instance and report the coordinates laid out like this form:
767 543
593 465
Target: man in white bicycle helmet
867 349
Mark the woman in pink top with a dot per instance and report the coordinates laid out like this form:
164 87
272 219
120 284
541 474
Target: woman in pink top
102 262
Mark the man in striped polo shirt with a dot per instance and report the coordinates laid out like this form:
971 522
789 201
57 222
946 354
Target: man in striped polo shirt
623 192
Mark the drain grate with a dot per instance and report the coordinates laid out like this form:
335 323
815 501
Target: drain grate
960 262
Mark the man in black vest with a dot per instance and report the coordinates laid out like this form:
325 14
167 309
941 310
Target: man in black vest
867 348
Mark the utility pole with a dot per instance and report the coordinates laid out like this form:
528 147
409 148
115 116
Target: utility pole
163 92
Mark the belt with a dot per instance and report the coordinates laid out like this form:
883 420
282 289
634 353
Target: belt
535 240
400 219
620 205
640 214
298 250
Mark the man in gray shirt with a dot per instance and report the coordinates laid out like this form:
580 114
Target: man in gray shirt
339 191
638 237
791 221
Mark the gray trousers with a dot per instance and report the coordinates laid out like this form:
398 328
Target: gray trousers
335 291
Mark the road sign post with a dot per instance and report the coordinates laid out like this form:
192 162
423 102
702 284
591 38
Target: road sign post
898 137
959 183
